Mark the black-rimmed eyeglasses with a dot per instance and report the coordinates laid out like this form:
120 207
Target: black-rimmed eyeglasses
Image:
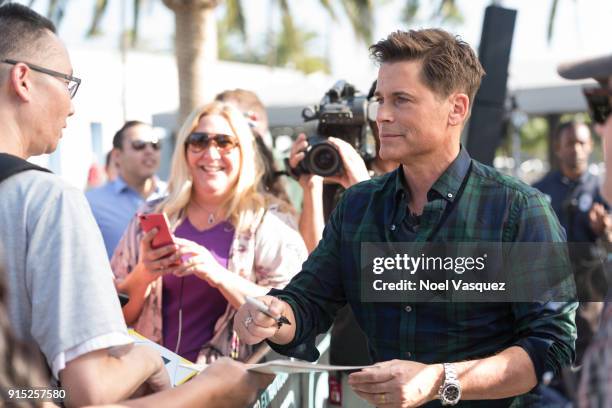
72 84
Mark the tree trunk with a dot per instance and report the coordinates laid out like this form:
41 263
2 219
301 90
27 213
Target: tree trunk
195 45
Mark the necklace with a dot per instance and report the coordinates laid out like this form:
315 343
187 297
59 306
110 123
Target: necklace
211 215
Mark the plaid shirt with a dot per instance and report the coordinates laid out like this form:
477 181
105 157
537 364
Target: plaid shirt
470 202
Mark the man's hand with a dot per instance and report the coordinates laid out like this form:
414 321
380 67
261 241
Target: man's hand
398 383
600 220
353 167
254 326
199 261
153 263
296 155
236 387
159 380
605 130
113 374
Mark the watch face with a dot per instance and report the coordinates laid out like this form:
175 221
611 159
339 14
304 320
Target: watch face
451 393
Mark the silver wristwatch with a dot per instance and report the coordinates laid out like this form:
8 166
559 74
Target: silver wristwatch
450 391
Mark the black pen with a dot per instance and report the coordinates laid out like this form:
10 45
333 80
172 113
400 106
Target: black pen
263 308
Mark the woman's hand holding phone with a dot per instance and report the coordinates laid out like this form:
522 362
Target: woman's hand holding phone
155 262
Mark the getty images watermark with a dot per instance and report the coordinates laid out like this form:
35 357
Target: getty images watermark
478 272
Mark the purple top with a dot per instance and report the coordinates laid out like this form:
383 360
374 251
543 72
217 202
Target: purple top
201 303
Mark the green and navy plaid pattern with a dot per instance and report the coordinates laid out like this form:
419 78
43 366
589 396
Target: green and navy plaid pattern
470 202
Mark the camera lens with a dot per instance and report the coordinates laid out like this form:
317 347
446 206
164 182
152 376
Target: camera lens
324 160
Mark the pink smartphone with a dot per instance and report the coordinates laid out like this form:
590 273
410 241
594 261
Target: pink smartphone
159 221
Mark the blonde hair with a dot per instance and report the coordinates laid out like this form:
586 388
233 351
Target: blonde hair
245 205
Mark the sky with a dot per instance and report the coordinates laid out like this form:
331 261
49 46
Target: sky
582 28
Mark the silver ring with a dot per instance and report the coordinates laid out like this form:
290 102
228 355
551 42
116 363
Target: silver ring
248 321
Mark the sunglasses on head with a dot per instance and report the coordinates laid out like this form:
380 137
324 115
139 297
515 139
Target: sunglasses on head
141 144
598 100
199 141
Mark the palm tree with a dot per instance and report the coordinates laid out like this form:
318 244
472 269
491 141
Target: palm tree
447 10
196 34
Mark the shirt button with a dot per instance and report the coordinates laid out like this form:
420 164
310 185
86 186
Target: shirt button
407 354
450 195
408 309
392 227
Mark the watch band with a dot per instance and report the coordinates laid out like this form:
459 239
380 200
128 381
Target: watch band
450 391
450 373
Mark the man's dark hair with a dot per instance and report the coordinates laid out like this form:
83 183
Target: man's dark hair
565 126
119 136
21 28
247 101
448 63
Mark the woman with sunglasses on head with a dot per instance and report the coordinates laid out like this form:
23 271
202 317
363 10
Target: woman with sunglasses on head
229 242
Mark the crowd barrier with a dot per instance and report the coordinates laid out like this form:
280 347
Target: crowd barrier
308 390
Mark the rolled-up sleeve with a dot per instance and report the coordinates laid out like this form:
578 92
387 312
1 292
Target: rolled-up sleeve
547 332
316 293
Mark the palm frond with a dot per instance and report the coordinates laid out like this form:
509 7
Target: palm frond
361 16
551 20
99 10
326 4
449 12
410 10
56 11
234 19
137 7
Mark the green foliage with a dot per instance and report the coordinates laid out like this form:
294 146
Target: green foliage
445 11
534 137
289 48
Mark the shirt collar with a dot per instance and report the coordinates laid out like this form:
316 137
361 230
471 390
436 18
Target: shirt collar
567 181
119 185
448 184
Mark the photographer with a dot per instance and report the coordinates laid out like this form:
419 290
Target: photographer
594 388
353 167
312 219
348 343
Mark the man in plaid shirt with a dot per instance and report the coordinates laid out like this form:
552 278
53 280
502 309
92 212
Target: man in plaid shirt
427 353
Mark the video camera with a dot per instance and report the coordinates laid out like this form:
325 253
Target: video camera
342 113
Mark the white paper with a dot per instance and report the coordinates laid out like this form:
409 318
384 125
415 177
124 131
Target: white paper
179 369
297 367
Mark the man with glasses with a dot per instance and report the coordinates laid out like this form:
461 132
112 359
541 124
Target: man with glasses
61 296
594 389
61 293
136 150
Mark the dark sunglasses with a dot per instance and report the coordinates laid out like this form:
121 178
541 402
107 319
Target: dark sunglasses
72 83
199 141
598 100
141 144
